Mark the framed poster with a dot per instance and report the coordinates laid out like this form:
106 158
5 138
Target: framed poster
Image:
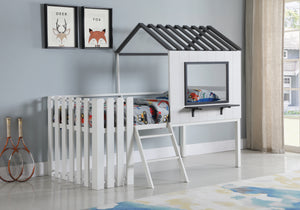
96 28
60 26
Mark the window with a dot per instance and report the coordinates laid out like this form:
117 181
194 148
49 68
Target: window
287 82
285 54
287 97
291 77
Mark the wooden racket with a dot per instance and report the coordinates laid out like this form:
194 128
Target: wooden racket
27 162
6 154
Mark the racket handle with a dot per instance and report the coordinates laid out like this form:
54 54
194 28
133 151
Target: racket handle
20 127
8 125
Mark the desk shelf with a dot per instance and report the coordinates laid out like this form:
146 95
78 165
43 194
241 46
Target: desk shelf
204 107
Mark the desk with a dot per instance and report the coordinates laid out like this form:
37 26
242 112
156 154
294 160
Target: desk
182 138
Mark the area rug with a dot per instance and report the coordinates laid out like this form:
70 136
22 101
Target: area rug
280 191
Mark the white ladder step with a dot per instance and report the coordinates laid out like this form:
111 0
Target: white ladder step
151 126
163 159
155 136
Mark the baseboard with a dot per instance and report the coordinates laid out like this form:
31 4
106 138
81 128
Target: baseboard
294 149
41 169
191 149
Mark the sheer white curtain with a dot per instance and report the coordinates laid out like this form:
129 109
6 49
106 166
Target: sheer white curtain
264 64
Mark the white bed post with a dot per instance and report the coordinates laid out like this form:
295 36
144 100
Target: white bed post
238 144
86 153
57 137
50 136
129 142
71 139
78 142
98 144
118 72
182 139
64 139
110 141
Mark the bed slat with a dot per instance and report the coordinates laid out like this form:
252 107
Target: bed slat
129 140
50 136
120 141
64 139
71 139
110 143
78 142
98 144
57 138
86 174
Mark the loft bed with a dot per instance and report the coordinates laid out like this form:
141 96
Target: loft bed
108 118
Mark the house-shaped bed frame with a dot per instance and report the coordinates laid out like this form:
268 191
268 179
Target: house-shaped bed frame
104 134
193 44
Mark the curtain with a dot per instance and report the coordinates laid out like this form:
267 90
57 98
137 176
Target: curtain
264 75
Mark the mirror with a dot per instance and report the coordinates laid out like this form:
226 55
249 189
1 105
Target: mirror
206 82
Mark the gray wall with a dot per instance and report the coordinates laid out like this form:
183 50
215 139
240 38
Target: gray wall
29 73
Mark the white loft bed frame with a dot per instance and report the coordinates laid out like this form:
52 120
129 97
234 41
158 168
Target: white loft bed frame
102 170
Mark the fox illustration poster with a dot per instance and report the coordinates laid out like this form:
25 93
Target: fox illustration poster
61 26
97 23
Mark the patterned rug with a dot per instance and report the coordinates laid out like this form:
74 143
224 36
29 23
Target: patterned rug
280 191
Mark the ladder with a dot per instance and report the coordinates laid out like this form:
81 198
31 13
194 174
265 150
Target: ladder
138 140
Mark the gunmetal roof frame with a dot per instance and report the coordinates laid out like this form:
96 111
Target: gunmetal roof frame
180 38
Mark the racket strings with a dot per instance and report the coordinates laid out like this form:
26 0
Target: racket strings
16 161
23 161
15 165
7 147
6 172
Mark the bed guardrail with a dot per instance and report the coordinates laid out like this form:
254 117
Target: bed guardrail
82 135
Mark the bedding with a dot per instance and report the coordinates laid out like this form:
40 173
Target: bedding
201 95
151 111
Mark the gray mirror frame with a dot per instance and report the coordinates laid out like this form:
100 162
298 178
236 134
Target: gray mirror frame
186 85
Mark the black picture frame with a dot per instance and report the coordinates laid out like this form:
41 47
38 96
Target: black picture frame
57 19
187 103
96 28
